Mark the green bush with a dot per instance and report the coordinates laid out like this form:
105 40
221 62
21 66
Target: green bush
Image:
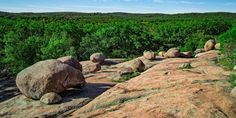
20 54
228 42
232 80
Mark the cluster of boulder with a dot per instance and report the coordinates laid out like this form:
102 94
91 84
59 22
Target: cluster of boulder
46 79
175 52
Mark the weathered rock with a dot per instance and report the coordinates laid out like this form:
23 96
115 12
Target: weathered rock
210 45
197 51
48 76
97 58
233 92
71 61
149 55
172 53
137 65
161 53
164 91
50 98
217 46
90 67
186 54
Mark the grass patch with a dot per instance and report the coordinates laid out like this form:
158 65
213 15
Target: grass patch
232 80
128 76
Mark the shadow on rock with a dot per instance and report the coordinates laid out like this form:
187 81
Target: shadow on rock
91 91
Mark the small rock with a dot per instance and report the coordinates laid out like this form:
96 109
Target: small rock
50 98
162 53
210 45
233 92
197 51
137 65
97 58
71 61
172 53
149 55
217 46
186 54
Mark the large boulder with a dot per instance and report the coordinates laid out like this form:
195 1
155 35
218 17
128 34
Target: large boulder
149 55
50 98
137 65
48 76
172 53
186 54
162 53
97 58
71 61
210 45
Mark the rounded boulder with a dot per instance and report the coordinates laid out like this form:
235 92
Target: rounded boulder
48 76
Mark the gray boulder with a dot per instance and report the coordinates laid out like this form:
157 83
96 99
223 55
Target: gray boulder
48 76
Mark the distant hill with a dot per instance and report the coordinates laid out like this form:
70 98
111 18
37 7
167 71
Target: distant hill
115 14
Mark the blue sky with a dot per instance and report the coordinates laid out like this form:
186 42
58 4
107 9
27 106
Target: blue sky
132 6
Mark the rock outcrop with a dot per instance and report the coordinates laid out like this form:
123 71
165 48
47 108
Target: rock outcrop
48 76
165 91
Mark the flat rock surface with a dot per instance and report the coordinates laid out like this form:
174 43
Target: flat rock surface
165 91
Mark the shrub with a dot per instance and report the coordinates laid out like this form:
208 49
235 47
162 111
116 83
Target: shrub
232 80
228 42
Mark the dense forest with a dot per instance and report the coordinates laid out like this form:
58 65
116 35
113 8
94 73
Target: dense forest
26 38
